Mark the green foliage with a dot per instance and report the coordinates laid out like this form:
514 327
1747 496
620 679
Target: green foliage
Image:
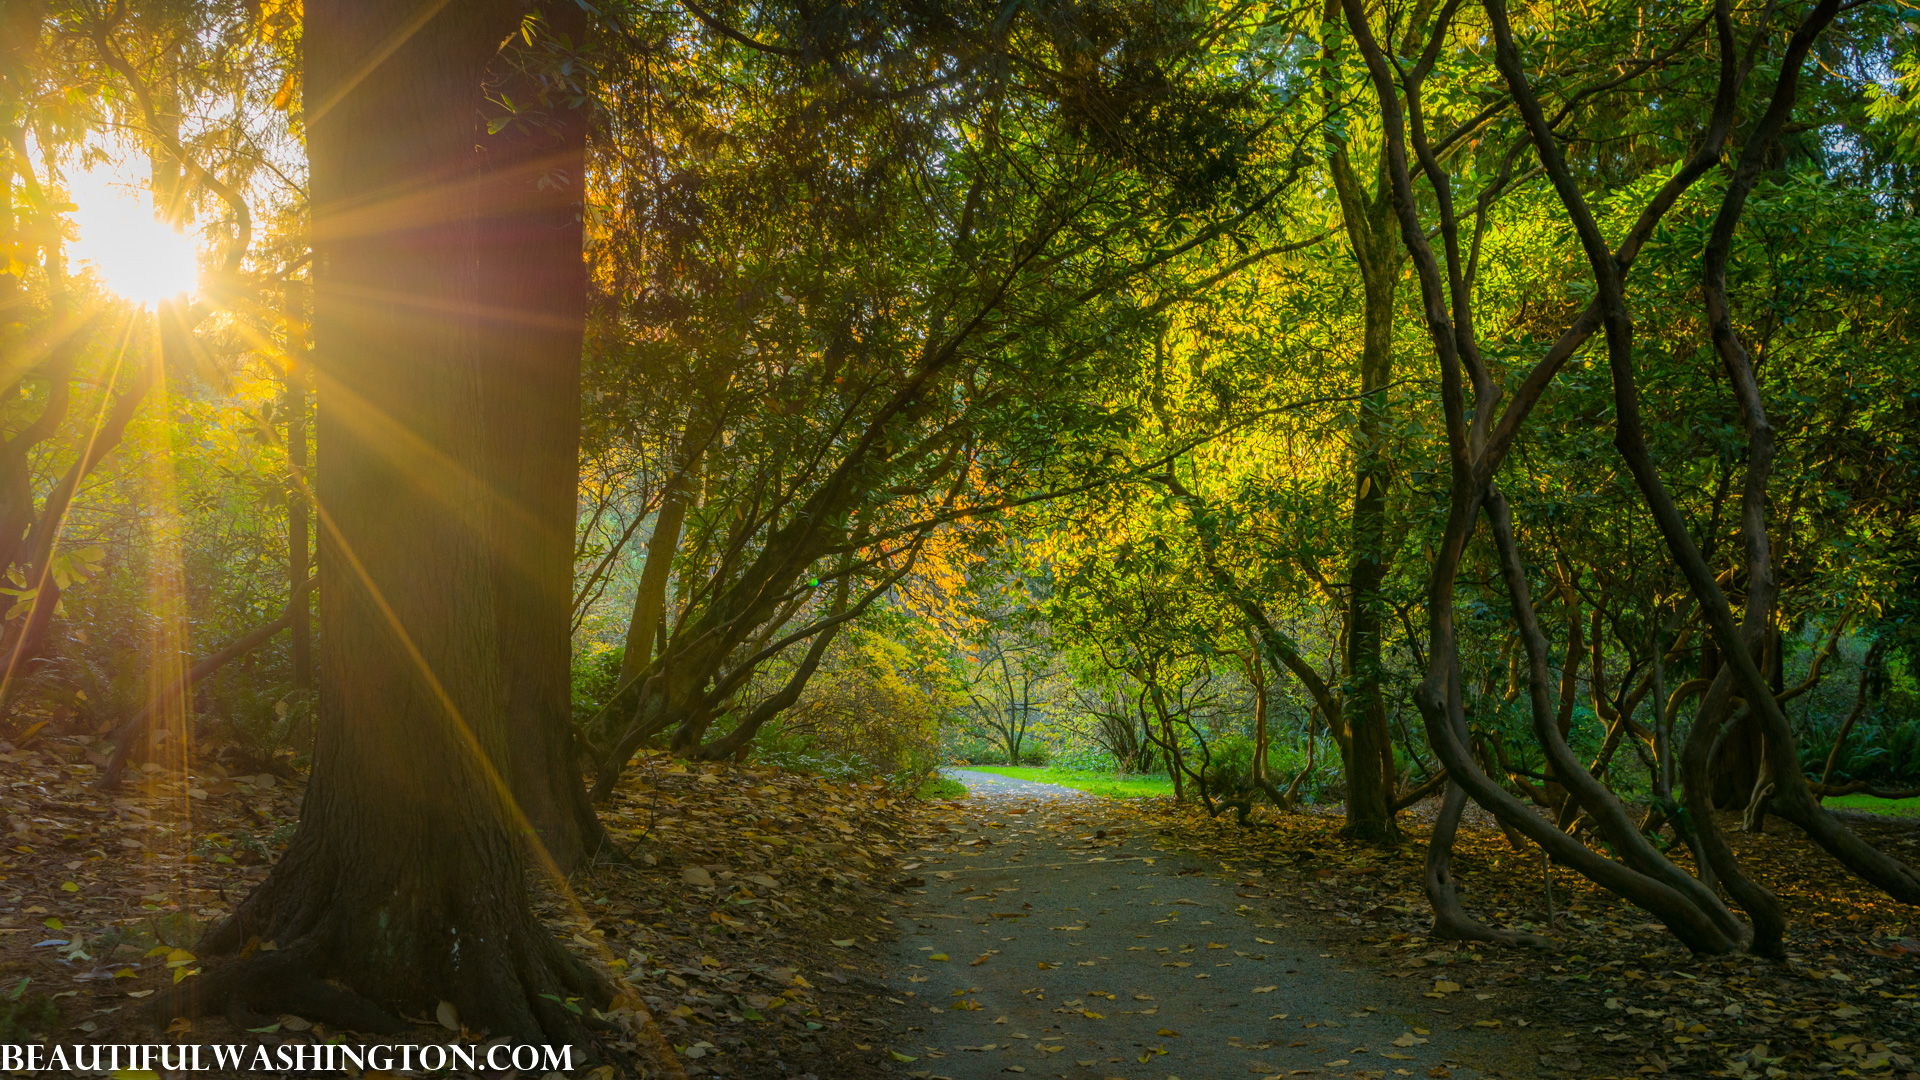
1092 781
263 728
941 787
1871 805
23 1015
785 747
595 677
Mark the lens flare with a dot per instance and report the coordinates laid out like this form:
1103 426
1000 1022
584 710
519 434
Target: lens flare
136 257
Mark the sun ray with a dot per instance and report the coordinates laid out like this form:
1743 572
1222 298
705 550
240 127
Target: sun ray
169 641
523 826
16 656
405 449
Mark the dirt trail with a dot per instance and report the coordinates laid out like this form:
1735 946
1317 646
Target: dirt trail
1053 940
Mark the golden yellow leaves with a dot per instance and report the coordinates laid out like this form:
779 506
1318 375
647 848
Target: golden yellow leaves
178 960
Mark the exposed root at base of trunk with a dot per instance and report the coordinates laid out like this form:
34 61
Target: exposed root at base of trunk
1459 926
363 954
258 987
254 989
1450 919
1379 833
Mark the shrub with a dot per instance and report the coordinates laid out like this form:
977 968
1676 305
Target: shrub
262 728
1091 758
23 1014
942 787
784 746
859 719
596 675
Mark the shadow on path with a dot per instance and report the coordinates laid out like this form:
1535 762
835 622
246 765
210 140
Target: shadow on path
1054 940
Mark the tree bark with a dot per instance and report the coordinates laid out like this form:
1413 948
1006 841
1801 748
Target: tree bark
650 596
1367 752
404 884
532 316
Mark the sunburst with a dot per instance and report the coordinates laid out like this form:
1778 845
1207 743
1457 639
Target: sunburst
136 256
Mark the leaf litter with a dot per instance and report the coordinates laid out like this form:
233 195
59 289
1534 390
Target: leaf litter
741 935
746 935
1620 997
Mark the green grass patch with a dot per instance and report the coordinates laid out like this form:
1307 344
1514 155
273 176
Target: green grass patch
941 787
1092 781
1895 807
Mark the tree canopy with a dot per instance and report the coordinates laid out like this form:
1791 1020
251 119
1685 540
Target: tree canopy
1506 404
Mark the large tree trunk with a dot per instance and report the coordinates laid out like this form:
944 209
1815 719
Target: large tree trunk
532 300
404 885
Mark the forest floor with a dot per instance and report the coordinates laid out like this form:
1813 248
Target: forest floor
776 925
1059 937
744 932
1618 998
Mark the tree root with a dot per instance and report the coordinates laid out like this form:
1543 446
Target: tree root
262 984
1450 919
362 958
259 987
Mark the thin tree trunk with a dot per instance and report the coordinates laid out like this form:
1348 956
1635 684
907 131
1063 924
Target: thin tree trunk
1869 667
650 596
299 489
1450 919
1367 751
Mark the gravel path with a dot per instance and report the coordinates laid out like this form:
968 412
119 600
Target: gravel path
993 786
1051 940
